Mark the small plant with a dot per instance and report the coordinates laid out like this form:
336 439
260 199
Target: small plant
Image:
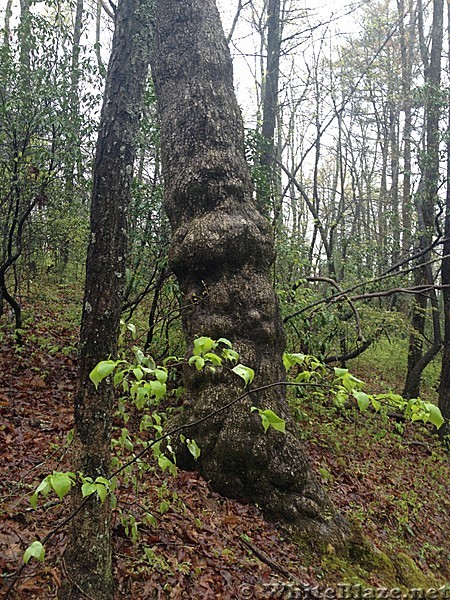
142 385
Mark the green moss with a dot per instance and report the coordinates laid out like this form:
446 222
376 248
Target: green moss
365 564
410 574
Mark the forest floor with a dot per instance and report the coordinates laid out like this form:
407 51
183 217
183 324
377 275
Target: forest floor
393 478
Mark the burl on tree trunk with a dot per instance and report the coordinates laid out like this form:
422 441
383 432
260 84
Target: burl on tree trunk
221 253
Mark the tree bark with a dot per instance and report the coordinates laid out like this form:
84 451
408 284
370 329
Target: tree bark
426 199
88 555
444 386
221 253
266 194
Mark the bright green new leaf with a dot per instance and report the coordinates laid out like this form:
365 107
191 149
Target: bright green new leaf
138 373
102 491
225 342
203 344
88 488
62 483
199 362
164 463
274 420
161 375
105 481
376 404
142 393
340 372
289 360
158 389
246 373
43 488
102 370
118 378
140 356
270 419
36 550
435 415
362 399
230 355
193 448
211 357
304 376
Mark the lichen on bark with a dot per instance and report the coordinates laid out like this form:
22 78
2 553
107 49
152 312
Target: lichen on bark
221 252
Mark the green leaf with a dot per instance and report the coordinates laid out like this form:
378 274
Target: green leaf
164 463
270 419
376 404
61 483
70 435
211 357
193 448
103 480
362 399
36 550
435 415
289 360
246 373
102 370
138 373
132 328
88 488
230 355
102 491
44 487
118 378
199 362
158 389
203 344
304 376
340 372
274 420
225 342
161 375
170 359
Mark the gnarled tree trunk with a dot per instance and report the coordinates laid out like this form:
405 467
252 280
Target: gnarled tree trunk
221 253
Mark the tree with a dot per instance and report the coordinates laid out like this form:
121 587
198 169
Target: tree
88 555
426 200
221 253
267 192
444 386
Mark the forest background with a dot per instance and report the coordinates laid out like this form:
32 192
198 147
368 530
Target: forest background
347 139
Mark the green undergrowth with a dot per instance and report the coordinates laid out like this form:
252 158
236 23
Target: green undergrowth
385 363
389 477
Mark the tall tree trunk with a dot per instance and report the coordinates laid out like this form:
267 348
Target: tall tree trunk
427 197
88 555
444 387
266 193
407 38
221 252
